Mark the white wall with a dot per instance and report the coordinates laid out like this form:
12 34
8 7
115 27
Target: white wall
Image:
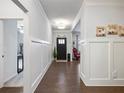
10 49
101 57
102 15
63 33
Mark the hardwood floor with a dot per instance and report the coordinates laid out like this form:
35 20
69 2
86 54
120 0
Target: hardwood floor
61 78
64 78
11 90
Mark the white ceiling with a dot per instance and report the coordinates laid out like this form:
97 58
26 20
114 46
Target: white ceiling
61 9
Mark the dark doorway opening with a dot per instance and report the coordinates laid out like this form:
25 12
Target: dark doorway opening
61 48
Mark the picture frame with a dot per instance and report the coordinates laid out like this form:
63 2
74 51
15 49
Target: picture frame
100 31
112 29
121 30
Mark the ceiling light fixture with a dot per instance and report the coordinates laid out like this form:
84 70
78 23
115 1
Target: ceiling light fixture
61 23
61 26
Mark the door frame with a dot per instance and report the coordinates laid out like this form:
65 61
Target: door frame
1 54
27 40
65 45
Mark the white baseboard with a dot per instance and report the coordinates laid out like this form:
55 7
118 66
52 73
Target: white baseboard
101 82
9 78
104 83
61 60
17 81
82 76
39 78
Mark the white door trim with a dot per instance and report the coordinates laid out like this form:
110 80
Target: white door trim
1 53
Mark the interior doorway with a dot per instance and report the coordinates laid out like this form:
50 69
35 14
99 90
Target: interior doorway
12 61
76 33
61 48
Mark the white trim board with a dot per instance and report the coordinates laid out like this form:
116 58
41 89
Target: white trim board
61 61
101 82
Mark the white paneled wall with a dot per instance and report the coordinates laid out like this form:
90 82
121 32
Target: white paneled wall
118 55
36 61
102 62
40 61
99 60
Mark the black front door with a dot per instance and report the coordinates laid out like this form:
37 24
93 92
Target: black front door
61 48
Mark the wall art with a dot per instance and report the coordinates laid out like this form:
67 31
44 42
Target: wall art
100 31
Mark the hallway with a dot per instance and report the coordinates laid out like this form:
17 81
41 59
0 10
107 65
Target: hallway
53 27
61 78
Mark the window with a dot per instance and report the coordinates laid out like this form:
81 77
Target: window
61 41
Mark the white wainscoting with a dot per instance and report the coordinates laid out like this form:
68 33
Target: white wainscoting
40 61
119 60
102 62
99 61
